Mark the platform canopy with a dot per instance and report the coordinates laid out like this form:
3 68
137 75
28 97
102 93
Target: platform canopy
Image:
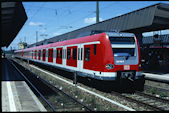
151 18
13 17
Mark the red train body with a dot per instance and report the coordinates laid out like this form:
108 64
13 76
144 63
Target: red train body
104 56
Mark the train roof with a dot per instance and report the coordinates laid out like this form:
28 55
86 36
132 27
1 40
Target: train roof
82 40
95 37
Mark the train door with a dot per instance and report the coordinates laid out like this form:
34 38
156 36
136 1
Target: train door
80 57
50 55
72 56
59 55
39 56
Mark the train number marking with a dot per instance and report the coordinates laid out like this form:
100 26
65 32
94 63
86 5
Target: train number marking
126 67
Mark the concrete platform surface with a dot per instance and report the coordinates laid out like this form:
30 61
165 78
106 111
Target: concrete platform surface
17 96
157 77
8 72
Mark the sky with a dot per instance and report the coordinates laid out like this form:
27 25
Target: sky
50 19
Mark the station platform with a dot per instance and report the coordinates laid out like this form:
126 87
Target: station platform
15 93
17 96
157 77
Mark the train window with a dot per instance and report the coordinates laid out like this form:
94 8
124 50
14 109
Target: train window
122 40
68 53
44 54
87 54
54 54
81 53
32 54
35 53
39 54
74 53
123 51
65 53
50 54
78 53
60 53
94 49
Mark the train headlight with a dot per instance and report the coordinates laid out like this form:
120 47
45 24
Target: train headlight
109 66
140 66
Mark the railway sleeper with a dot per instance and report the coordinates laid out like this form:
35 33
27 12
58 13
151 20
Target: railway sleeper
69 109
162 106
150 101
158 103
34 77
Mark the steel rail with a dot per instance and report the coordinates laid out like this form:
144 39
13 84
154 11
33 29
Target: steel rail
85 90
52 86
138 102
152 97
48 103
55 88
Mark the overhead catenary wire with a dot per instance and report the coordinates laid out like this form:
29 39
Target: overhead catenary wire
56 11
73 10
93 12
58 8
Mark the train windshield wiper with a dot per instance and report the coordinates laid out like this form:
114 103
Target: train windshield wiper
127 57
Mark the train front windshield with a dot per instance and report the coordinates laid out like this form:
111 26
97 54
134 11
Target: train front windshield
122 40
123 51
123 46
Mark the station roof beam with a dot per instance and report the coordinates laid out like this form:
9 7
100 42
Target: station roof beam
13 17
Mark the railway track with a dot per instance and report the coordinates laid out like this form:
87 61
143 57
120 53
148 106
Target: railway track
53 98
155 101
144 102
148 101
156 90
87 99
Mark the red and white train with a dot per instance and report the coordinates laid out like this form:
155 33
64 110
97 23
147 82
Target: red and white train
107 56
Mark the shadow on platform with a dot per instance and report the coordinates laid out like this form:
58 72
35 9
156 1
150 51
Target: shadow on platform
8 72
